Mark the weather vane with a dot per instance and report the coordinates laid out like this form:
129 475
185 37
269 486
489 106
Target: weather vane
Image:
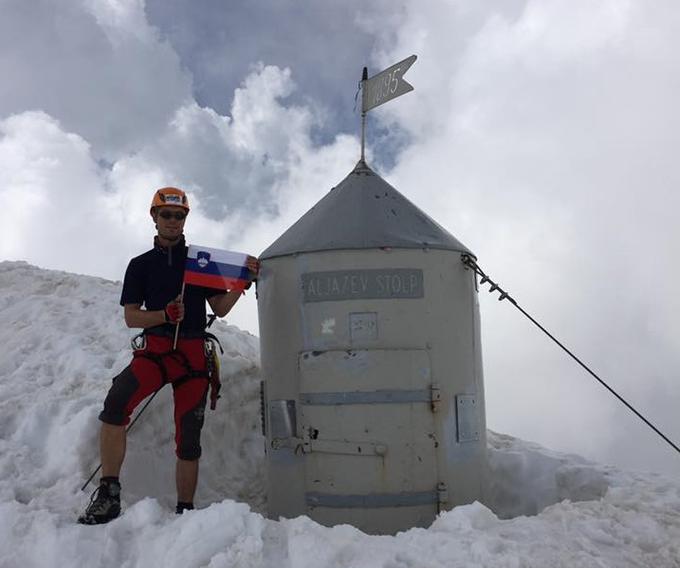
385 86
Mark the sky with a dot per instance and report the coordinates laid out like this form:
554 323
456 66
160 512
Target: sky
542 134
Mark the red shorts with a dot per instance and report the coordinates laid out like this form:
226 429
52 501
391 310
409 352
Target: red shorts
152 367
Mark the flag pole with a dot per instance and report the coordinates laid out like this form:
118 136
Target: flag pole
181 299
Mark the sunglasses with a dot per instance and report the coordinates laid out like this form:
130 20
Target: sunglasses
177 215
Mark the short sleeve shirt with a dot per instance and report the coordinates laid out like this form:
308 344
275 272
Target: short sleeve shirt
154 279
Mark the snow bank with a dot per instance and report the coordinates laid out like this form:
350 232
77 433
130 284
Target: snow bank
525 478
63 340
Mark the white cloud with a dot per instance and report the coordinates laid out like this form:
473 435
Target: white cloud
248 180
95 65
47 177
234 163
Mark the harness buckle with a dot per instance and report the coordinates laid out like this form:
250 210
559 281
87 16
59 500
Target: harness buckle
138 342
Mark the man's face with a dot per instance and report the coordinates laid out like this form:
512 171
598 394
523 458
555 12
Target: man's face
170 221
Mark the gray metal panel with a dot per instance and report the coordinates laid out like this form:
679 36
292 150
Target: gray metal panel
363 212
348 447
467 416
382 400
386 284
396 396
363 326
364 370
372 501
282 418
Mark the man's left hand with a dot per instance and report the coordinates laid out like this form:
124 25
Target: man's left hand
253 266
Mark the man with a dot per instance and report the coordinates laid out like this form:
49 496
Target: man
151 300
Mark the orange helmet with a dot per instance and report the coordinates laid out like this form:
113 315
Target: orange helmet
170 196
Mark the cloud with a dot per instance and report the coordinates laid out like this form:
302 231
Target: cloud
241 167
238 162
248 180
46 181
96 66
325 44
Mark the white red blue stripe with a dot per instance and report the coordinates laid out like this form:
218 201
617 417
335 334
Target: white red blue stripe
216 268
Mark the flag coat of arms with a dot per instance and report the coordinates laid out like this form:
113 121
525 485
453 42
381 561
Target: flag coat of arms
215 268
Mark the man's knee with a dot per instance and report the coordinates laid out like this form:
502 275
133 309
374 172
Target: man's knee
189 453
189 442
121 392
189 427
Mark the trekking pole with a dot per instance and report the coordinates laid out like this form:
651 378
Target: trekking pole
126 431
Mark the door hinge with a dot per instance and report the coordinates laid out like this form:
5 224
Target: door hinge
435 397
442 496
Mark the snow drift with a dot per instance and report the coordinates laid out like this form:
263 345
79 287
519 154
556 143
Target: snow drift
62 340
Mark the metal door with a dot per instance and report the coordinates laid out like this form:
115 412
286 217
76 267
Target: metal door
368 433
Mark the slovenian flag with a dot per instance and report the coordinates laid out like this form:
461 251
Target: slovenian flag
215 268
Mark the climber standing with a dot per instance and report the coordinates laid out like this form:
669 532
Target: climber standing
152 300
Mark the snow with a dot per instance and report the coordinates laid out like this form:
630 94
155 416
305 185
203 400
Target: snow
63 340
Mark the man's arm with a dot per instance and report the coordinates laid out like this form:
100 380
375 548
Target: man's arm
221 304
135 316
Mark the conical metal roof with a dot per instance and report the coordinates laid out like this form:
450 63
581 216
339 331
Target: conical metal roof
363 212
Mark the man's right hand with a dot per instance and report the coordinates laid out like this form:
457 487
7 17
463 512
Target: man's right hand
174 311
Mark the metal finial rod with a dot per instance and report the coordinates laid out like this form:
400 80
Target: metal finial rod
364 78
363 135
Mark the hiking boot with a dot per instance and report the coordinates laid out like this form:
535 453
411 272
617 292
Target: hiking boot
104 504
181 507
